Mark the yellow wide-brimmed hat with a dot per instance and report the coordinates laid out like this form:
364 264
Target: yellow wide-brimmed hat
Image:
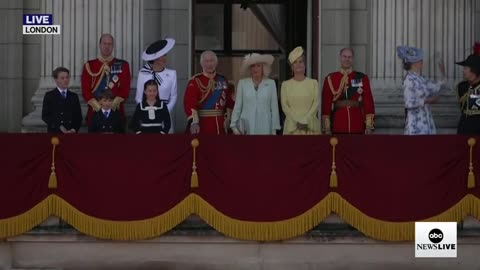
295 54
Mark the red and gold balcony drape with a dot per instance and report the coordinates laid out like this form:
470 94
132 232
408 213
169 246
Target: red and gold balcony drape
125 187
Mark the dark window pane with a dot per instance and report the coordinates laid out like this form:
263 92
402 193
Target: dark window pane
209 27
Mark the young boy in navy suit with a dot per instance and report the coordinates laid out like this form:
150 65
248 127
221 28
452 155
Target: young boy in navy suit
106 120
61 109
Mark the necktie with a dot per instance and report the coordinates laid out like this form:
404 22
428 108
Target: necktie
64 94
106 114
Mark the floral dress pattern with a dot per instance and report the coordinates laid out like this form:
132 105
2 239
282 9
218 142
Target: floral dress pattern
419 119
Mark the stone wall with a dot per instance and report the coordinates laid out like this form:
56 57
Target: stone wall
171 18
11 67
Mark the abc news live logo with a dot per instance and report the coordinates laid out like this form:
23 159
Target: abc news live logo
39 24
435 239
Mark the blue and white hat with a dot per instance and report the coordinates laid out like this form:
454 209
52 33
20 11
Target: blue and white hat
410 54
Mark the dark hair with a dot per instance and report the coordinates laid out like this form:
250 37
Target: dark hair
106 94
103 36
150 83
475 70
347 49
58 70
407 66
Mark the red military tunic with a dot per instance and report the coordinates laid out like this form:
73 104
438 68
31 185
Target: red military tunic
208 102
347 103
98 75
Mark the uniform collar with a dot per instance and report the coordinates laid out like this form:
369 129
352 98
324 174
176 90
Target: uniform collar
105 60
474 85
214 75
346 71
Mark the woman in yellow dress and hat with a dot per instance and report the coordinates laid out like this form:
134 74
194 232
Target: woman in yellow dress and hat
300 99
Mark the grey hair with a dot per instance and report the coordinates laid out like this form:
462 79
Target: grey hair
347 49
205 53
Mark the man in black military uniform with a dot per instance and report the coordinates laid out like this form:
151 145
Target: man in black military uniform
61 107
469 96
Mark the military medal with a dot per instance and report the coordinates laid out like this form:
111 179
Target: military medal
111 85
115 79
357 83
360 91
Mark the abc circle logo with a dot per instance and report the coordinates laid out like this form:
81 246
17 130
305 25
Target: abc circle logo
435 236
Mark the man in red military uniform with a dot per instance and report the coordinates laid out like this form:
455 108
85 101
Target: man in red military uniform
347 101
105 72
208 100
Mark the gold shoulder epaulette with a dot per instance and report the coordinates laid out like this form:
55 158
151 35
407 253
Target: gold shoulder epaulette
195 76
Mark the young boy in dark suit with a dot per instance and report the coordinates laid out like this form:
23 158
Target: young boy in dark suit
106 120
61 109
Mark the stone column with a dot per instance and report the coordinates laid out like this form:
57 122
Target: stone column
334 33
11 68
82 23
344 24
438 26
172 19
477 20
441 27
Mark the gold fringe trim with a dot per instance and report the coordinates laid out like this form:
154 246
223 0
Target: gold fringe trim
96 227
122 230
52 180
263 231
397 231
245 230
22 223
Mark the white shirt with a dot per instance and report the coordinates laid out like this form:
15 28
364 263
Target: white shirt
62 91
106 111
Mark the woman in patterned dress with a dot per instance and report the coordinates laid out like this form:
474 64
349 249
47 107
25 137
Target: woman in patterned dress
419 92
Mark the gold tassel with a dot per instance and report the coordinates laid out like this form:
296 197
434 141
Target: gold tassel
333 174
52 181
194 178
471 175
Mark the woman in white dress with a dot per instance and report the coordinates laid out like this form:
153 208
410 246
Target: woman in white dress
155 68
256 101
